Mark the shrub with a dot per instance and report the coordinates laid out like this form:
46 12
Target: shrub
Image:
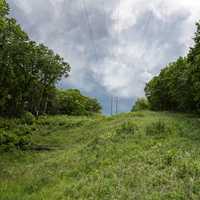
27 118
9 141
5 138
22 130
22 142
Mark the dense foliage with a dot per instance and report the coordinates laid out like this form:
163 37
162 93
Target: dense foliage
140 104
72 102
177 87
29 73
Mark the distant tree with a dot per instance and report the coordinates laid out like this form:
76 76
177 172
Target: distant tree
170 90
141 104
72 102
92 105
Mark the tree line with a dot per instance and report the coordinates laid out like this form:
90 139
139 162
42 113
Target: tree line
29 73
177 87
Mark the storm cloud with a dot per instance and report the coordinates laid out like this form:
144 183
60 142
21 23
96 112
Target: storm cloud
114 47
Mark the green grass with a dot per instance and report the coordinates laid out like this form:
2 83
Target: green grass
141 156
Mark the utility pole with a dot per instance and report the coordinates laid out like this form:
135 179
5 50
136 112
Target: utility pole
111 106
116 108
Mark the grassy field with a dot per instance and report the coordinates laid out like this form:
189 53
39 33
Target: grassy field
141 156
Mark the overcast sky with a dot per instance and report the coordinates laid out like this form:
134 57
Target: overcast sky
114 47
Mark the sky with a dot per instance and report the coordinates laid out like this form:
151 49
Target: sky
114 47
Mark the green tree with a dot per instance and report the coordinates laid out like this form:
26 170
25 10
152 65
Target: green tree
141 104
194 70
72 102
170 90
4 8
28 71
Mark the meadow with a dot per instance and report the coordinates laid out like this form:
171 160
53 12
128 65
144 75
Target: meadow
140 155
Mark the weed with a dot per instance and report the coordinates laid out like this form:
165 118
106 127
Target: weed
158 129
127 128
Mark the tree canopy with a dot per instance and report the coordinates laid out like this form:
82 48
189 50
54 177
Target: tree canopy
72 102
29 72
177 87
140 104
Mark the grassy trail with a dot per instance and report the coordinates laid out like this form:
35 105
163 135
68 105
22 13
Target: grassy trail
141 156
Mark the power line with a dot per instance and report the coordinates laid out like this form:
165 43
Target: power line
112 99
92 37
116 108
90 29
144 32
147 25
104 12
118 59
117 11
111 106
149 18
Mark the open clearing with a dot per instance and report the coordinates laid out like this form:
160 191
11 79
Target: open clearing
141 155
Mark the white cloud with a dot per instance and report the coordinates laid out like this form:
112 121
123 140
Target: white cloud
134 39
145 57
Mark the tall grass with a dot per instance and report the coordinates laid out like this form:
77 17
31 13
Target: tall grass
131 156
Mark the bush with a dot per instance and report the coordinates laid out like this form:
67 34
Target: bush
27 118
8 124
141 104
5 138
9 141
22 130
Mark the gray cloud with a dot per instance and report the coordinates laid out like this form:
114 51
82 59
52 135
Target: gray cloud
114 47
